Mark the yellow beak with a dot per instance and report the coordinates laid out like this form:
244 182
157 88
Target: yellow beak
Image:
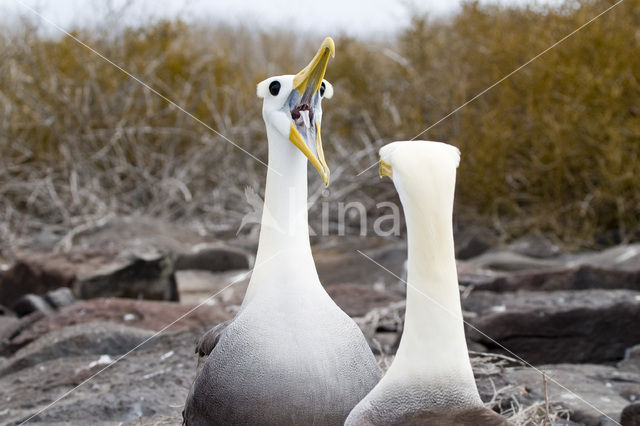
314 72
307 82
385 169
318 162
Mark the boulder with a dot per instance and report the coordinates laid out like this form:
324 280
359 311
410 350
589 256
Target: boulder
147 315
96 338
631 360
553 278
552 327
631 415
149 386
592 395
470 243
59 298
213 259
35 274
196 287
148 277
31 303
358 299
510 270
8 326
353 267
536 246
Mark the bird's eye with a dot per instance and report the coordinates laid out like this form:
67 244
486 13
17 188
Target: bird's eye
322 89
274 88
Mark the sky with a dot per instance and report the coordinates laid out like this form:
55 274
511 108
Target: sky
351 17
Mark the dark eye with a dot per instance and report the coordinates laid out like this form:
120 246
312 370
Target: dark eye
274 88
322 89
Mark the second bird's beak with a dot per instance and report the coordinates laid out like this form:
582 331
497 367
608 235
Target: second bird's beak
385 169
307 82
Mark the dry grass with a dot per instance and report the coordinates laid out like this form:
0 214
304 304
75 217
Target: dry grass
554 149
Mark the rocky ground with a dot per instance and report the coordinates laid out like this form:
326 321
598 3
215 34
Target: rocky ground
101 328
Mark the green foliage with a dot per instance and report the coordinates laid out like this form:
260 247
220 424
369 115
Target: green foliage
555 148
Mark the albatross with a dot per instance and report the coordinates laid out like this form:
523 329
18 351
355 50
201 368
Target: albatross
430 381
290 355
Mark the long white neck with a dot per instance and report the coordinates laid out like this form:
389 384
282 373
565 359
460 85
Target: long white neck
433 346
284 261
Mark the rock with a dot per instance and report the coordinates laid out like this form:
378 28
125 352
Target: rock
147 277
60 297
12 327
536 246
8 327
593 394
358 299
617 267
631 359
631 415
555 278
353 267
35 274
562 326
149 386
148 315
504 270
196 287
509 261
470 243
96 338
31 303
213 259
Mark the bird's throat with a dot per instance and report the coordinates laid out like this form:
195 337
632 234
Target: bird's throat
284 252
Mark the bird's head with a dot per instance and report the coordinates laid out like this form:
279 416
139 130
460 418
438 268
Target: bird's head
292 106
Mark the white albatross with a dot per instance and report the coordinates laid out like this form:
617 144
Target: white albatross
290 355
430 381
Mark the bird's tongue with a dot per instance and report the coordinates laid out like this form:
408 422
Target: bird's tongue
305 118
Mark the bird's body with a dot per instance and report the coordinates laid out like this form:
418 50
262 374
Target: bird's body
291 355
284 360
430 381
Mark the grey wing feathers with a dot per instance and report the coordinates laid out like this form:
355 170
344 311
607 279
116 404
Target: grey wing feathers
210 339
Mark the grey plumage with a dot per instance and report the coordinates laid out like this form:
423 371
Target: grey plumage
278 364
438 404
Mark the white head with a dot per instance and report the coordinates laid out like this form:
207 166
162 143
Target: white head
292 106
421 169
407 157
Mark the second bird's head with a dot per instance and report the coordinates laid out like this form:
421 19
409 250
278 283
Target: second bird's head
292 106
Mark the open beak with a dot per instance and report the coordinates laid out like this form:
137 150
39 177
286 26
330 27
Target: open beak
385 169
307 83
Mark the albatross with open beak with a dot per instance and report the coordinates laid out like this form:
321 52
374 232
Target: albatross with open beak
290 355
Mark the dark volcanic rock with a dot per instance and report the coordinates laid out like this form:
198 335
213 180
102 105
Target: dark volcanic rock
631 415
551 327
83 339
147 315
214 259
35 274
616 268
140 277
631 359
595 395
358 299
31 303
353 267
149 386
470 243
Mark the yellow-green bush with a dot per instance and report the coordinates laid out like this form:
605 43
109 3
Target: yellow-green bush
555 148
